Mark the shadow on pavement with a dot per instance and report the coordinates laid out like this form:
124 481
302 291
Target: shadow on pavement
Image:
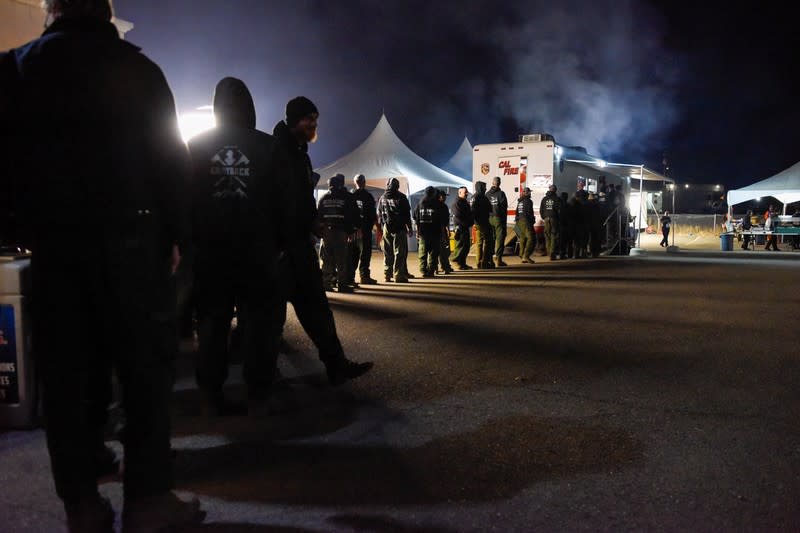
493 462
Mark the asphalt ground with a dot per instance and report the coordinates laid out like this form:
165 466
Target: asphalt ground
657 392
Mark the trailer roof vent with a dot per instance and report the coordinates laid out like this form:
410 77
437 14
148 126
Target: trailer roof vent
535 137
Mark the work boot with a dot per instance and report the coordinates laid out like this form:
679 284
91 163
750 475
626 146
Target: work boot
529 259
368 280
94 515
163 512
345 369
346 289
501 263
410 276
401 280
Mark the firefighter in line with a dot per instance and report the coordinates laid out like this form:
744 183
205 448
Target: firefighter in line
444 245
429 231
463 221
299 277
498 219
484 238
550 210
525 219
394 215
94 126
362 242
238 207
595 215
339 216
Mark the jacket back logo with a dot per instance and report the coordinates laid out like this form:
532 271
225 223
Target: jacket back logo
233 169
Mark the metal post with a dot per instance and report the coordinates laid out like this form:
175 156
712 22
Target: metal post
641 195
674 192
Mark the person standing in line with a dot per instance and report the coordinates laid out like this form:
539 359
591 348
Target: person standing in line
484 238
498 219
429 231
299 273
394 215
525 220
666 224
550 209
595 214
95 126
444 244
237 210
339 216
362 248
463 221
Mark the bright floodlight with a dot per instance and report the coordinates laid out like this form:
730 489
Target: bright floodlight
601 163
193 123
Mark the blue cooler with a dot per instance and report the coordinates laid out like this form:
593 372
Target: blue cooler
18 390
726 242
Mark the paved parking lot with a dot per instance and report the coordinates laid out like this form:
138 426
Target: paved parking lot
644 393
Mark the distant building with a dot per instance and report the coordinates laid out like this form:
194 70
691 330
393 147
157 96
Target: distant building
23 20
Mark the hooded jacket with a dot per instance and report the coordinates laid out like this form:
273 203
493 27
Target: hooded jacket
99 148
481 206
394 211
462 213
239 182
428 215
499 202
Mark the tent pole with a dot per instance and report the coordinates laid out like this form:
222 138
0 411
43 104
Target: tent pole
641 195
674 192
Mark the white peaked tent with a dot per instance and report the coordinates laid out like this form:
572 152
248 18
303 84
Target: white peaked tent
783 186
382 156
461 162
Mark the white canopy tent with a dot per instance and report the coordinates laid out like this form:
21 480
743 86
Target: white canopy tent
461 162
383 156
783 186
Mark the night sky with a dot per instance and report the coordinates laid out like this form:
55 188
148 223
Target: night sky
714 86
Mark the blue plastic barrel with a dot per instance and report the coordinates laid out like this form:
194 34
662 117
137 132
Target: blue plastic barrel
726 242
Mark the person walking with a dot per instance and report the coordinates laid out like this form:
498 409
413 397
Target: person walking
299 274
463 221
525 220
498 219
394 215
666 224
362 242
770 223
95 126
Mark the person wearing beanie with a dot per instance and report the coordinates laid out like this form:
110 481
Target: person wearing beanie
299 272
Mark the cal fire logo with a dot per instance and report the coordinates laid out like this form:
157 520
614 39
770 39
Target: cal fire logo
485 168
508 168
233 168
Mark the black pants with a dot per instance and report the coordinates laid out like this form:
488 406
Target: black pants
87 319
221 284
300 279
665 239
362 254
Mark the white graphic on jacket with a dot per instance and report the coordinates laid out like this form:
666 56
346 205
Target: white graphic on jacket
233 168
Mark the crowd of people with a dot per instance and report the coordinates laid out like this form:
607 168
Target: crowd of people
118 213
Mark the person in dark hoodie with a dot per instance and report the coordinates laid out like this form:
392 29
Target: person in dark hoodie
498 219
394 214
239 205
362 247
481 209
340 218
525 220
463 221
444 239
299 274
95 125
429 227
550 211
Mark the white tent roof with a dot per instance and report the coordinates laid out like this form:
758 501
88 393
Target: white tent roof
461 162
783 186
382 156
